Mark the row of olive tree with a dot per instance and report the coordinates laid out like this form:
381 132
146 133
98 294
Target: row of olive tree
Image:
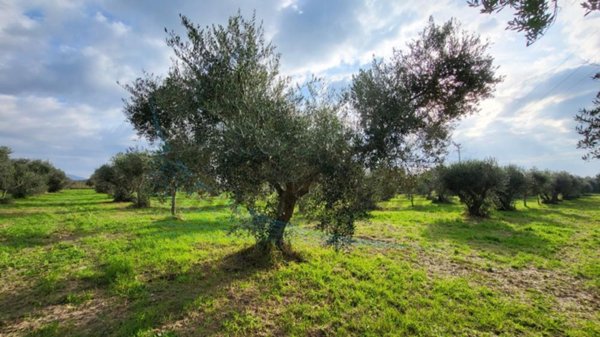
137 175
482 185
20 178
125 178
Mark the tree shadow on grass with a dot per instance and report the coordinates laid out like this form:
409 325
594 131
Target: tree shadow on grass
52 204
490 235
584 203
161 301
547 216
427 206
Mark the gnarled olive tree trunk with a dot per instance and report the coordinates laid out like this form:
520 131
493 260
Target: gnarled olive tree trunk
288 196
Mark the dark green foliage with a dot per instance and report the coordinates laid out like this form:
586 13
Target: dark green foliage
431 185
25 177
267 143
126 178
57 180
103 179
385 182
589 128
7 171
131 172
270 144
562 186
407 104
533 17
176 167
565 185
476 183
27 180
515 185
343 197
539 183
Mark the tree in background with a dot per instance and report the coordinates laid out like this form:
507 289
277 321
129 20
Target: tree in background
515 185
561 186
270 144
385 182
533 17
57 180
103 179
7 171
27 181
564 185
176 168
431 185
476 183
589 128
409 185
528 188
540 182
132 169
407 104
126 175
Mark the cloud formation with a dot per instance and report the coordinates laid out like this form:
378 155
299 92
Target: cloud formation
61 61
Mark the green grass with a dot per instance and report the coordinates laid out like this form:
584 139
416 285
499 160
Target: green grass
76 264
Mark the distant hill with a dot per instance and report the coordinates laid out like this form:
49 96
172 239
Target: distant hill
74 177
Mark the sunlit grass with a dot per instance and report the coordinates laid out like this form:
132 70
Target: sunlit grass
74 263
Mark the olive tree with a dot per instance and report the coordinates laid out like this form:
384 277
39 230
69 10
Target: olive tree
431 185
131 173
56 180
7 171
126 177
409 185
27 179
540 183
103 179
589 128
407 104
176 167
269 144
533 17
385 182
514 186
476 183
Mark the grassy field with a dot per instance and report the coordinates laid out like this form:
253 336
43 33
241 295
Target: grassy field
76 264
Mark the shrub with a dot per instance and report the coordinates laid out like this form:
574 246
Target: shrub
27 179
475 182
432 186
514 186
57 180
103 179
126 175
540 184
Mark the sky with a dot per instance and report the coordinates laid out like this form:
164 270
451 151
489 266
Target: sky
60 62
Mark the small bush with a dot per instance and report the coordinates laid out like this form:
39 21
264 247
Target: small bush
475 182
514 186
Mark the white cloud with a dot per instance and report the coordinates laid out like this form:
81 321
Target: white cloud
59 67
57 130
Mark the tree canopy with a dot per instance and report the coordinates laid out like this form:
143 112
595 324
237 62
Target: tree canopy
270 143
533 17
589 128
